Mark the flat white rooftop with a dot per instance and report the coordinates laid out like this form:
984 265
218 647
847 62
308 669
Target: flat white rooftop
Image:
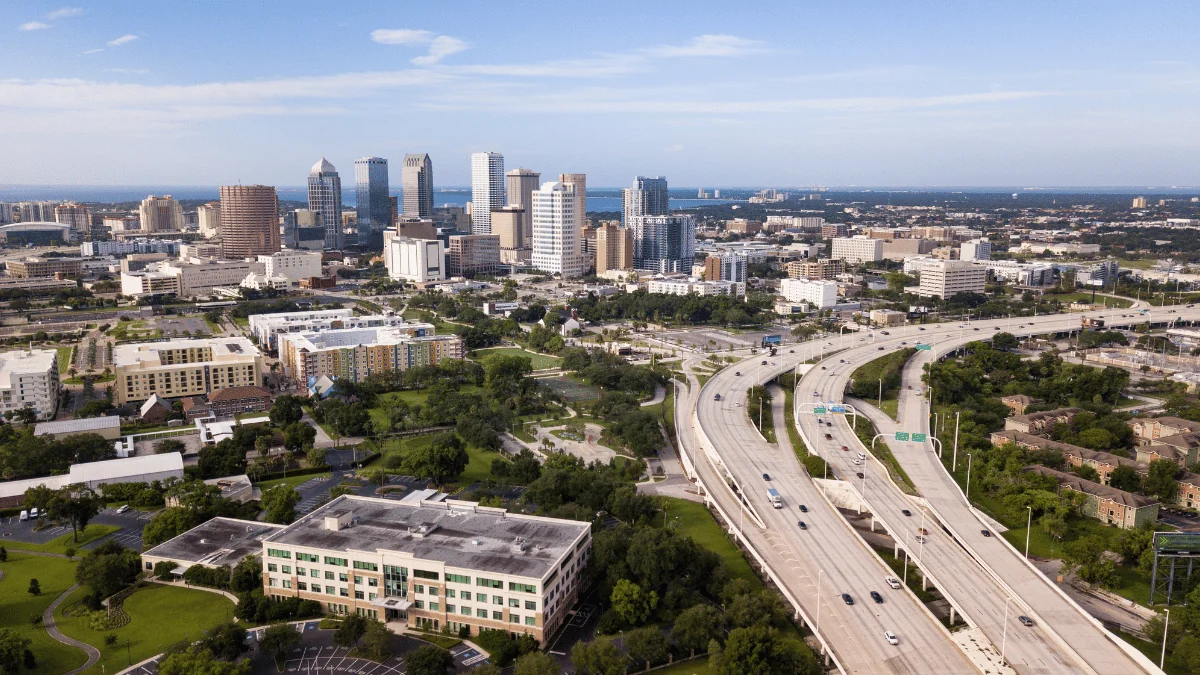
78 426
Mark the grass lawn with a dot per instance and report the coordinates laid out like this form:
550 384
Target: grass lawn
767 429
866 431
890 407
60 544
240 322
293 481
697 666
55 576
439 326
159 617
479 468
1139 264
64 358
540 361
1067 298
412 397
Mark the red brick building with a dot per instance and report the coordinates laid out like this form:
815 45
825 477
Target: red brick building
233 400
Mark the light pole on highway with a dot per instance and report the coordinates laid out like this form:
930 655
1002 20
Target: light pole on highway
1028 525
1004 640
1162 658
954 462
968 477
881 393
905 565
820 575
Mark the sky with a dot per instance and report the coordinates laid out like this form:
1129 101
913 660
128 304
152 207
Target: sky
779 94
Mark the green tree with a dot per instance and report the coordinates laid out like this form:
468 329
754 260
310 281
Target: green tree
695 626
1005 341
12 650
537 663
1125 478
108 568
277 639
350 631
315 457
196 660
376 641
226 641
76 504
298 435
286 410
441 460
1087 473
487 669
1087 557
758 650
648 645
428 660
1160 480
631 603
279 503
34 587
598 657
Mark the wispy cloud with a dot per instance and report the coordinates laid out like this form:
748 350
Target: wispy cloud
94 51
440 46
65 13
707 46
123 40
34 25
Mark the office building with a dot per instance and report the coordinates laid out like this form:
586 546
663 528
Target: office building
76 215
249 221
976 249
199 250
899 249
452 565
471 254
325 197
695 287
614 248
663 244
646 197
160 214
556 231
183 368
358 353
1139 202
43 267
372 204
487 189
292 265
415 260
268 327
831 230
304 229
208 218
198 277
858 249
417 182
819 294
726 267
823 268
946 278
577 182
29 379
520 184
508 223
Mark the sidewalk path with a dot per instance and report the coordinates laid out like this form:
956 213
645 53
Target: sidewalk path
93 654
660 395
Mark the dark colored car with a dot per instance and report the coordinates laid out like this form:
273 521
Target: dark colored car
847 599
1025 621
763 363
829 437
766 476
885 332
985 533
802 525
877 597
859 474
803 509
906 512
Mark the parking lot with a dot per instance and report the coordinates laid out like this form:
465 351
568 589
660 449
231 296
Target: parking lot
130 535
175 327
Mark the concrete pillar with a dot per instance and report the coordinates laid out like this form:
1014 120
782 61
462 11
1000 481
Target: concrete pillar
872 523
951 615
826 659
924 582
895 550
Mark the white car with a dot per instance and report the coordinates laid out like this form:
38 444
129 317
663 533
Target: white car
890 637
123 509
893 582
856 462
862 455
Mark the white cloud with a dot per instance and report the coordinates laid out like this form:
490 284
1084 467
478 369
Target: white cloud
707 45
402 36
34 25
124 39
94 51
440 46
65 13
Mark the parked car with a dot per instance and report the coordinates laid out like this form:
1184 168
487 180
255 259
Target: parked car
123 508
24 514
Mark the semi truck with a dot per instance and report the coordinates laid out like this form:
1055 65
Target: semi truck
776 500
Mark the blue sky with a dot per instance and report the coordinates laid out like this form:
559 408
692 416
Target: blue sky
706 93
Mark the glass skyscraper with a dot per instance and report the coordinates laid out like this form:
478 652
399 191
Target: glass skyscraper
487 189
417 177
647 197
325 197
371 198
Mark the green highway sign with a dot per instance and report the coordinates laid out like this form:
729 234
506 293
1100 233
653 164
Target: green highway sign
923 348
819 410
919 438
902 435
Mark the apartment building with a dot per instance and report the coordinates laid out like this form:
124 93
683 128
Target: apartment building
292 265
357 353
947 278
859 249
1106 504
269 327
1103 462
818 293
183 368
449 564
1183 449
695 287
29 379
825 268
831 230
1147 429
30 268
1040 423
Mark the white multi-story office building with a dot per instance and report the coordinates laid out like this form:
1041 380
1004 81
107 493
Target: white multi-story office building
415 260
695 287
664 244
199 277
1024 274
293 265
556 232
417 177
487 189
96 249
947 278
976 249
29 379
858 249
819 293
325 197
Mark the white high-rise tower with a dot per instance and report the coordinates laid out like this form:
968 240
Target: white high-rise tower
487 189
556 235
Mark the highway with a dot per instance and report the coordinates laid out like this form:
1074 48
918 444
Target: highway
1065 639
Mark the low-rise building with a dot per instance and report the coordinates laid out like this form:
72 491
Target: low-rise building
1018 403
140 469
1103 462
856 250
819 294
448 564
106 426
179 368
1147 429
268 327
43 267
1104 503
214 543
29 379
1183 449
888 317
357 353
1040 423
695 287
232 401
947 278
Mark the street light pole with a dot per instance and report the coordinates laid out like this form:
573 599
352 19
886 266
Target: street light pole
1028 526
968 477
954 462
881 393
1162 658
1004 640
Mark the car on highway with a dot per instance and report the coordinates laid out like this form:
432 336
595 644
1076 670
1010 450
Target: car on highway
877 597
766 476
920 539
763 363
845 449
803 509
1025 621
847 599
802 525
921 327
976 329
856 462
906 512
885 332
816 393
716 397
881 348
738 373
859 474
820 421
791 351
823 368
829 437
862 455
892 582
985 533
890 637
920 530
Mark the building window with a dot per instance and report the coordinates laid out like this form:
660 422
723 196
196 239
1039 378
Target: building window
329 575
419 604
287 583
272 567
343 577
372 581
433 590
418 588
300 572
522 588
276 553
488 583
450 593
433 607
271 582
513 618
300 585
358 595
286 569
497 616
481 613
513 602
340 562
530 604
451 609
357 580
530 621
422 574
481 597
458 578
330 590
466 611
497 600
371 567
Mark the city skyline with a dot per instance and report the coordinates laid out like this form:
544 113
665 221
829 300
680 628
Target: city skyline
1014 95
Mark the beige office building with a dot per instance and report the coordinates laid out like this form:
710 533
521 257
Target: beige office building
183 368
449 564
508 223
947 278
519 186
614 248
160 214
249 221
199 277
77 215
208 216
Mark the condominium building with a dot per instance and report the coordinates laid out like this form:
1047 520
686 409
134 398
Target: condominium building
183 368
663 244
208 217
646 197
976 249
726 267
43 267
614 248
91 249
487 189
249 221
470 254
160 214
29 379
556 231
577 182
831 230
857 249
824 268
268 327
451 564
818 293
520 184
371 202
77 215
358 353
325 197
695 287
417 178
946 278
293 265
415 260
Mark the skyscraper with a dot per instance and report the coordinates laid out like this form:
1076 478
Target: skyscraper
521 184
208 217
76 215
614 248
371 197
647 197
325 197
487 189
160 214
578 184
249 221
556 231
663 243
417 176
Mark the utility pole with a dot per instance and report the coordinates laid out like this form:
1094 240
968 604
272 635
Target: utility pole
1028 526
968 477
954 463
881 393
